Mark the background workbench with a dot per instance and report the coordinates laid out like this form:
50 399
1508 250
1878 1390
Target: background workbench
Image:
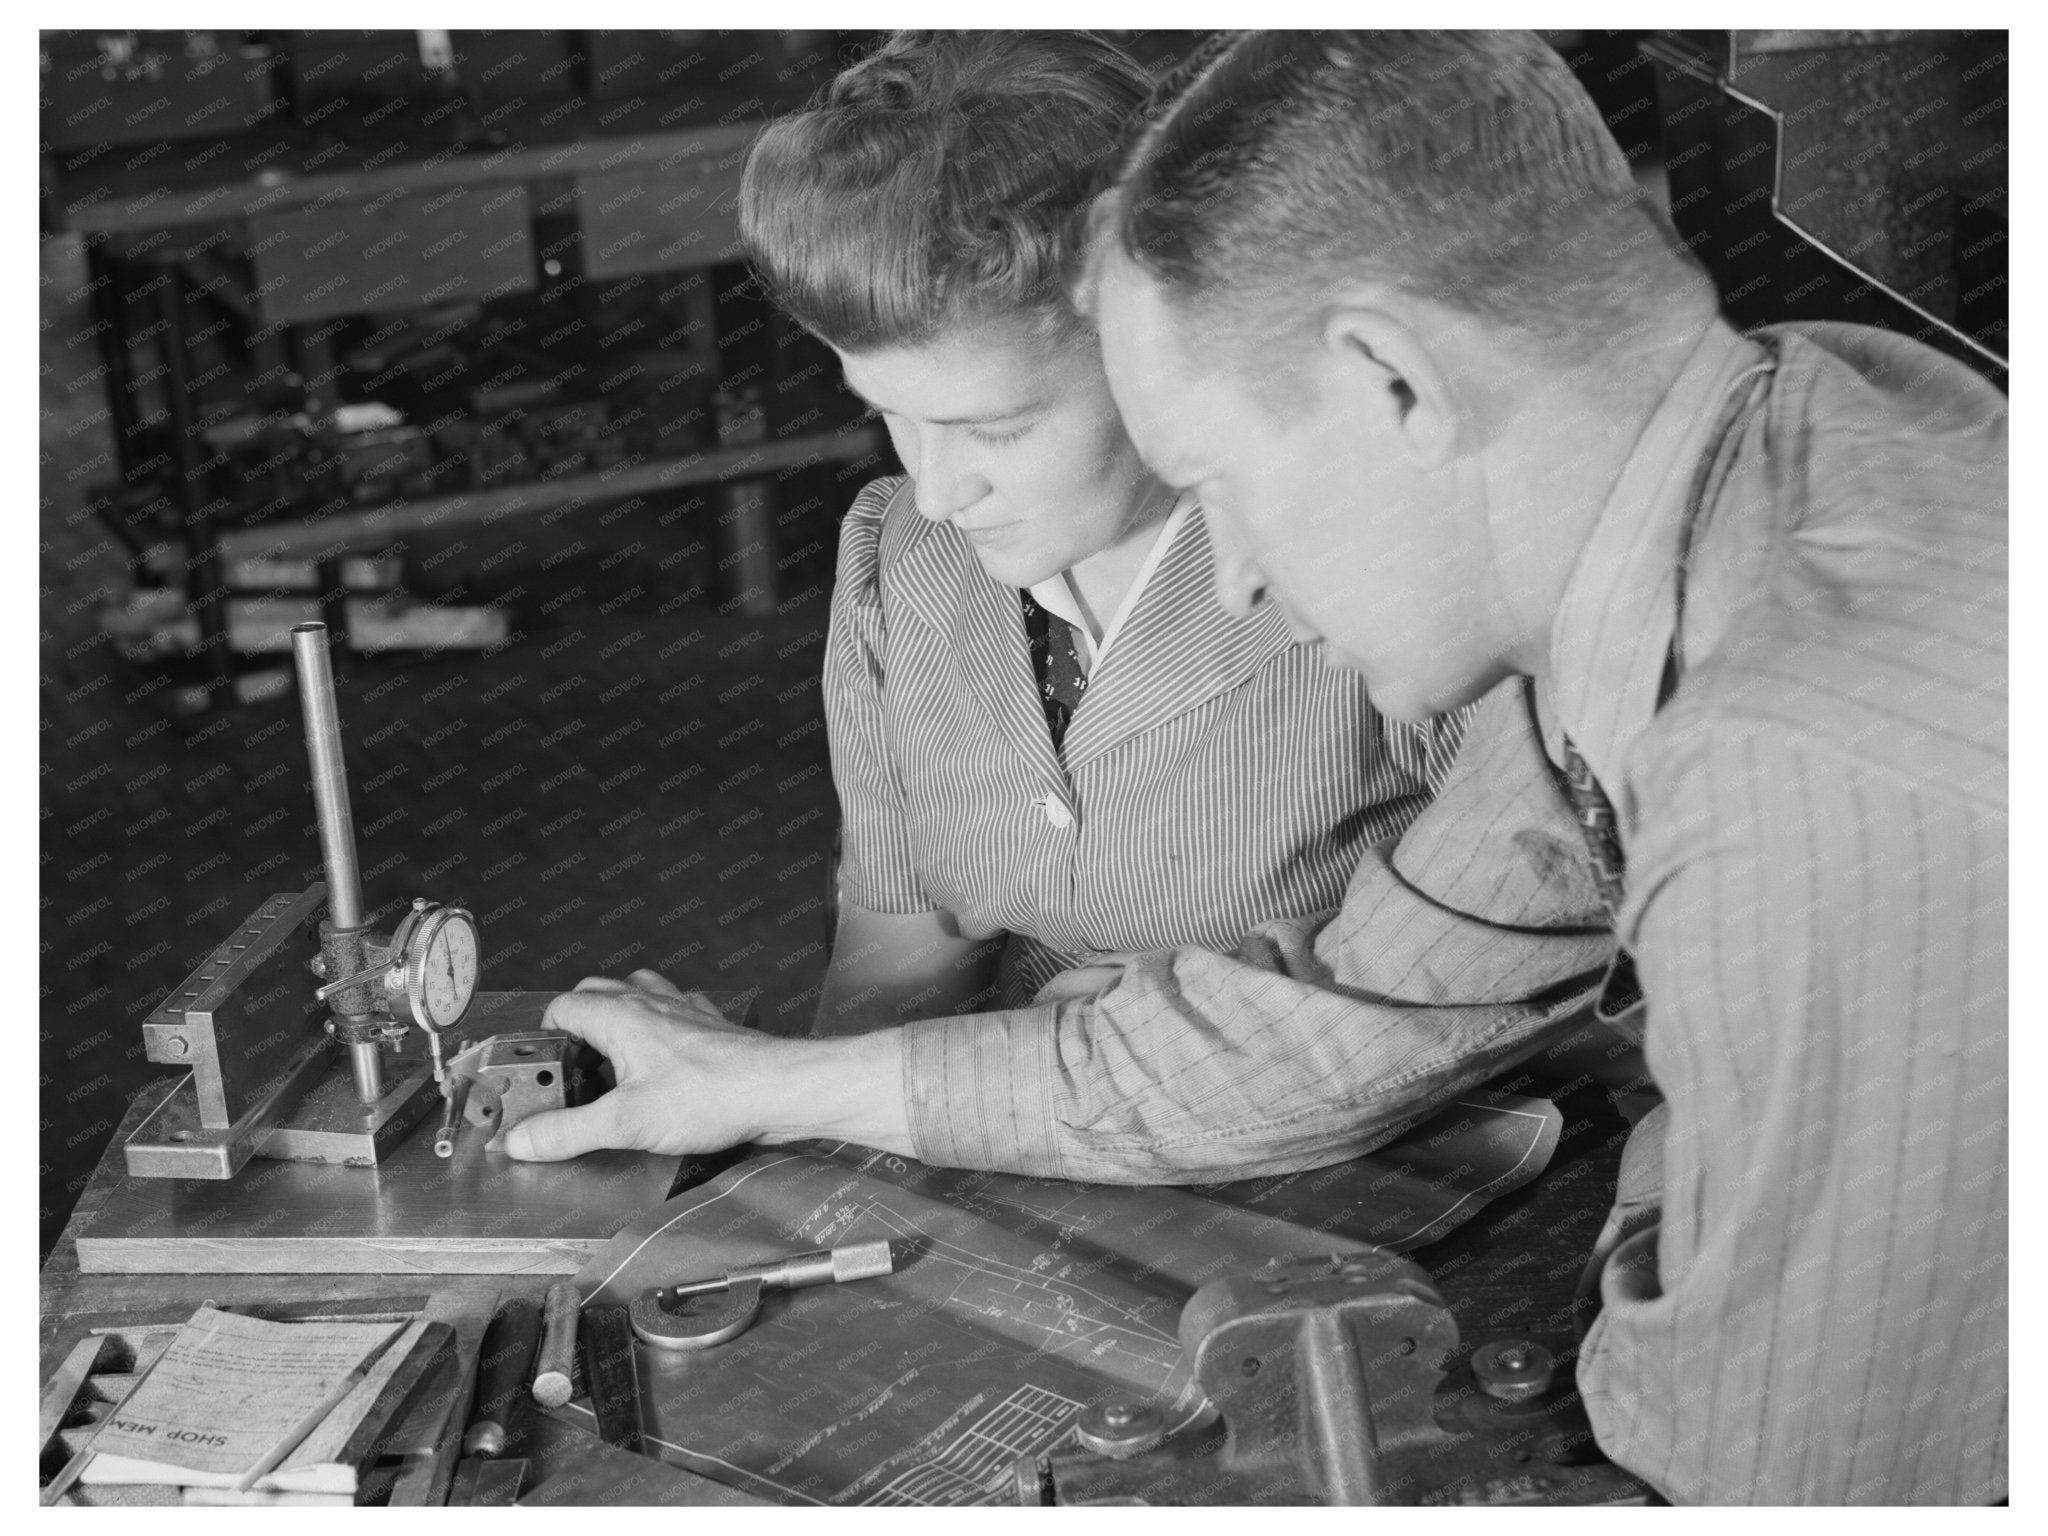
600 225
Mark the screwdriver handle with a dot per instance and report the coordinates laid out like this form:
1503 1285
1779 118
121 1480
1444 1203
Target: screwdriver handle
611 1371
554 1371
502 1364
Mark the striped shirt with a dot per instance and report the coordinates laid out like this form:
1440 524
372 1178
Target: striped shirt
1815 840
1056 593
1216 774
1815 832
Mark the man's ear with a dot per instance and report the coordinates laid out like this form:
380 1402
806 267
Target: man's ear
1390 368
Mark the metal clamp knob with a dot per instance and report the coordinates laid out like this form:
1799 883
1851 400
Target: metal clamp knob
1120 1429
1512 1370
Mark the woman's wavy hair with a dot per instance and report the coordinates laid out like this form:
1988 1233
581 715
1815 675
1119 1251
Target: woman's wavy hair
931 186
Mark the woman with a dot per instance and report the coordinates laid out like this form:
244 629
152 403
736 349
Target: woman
1050 742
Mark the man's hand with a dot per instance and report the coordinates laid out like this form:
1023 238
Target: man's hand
689 1081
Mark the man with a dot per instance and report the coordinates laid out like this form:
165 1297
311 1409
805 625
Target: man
1390 304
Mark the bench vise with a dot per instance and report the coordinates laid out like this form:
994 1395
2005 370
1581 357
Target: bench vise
1327 1383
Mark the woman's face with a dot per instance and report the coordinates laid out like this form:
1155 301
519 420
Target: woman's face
1018 446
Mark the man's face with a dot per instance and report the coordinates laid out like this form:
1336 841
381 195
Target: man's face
1318 505
1020 448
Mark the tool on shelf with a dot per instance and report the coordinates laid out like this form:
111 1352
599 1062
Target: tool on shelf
502 1364
486 1475
555 1368
86 1356
612 1372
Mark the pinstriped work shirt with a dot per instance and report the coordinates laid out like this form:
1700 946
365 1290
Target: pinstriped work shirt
1815 835
1217 773
1815 830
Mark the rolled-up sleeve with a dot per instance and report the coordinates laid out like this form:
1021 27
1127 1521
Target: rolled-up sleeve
876 866
1457 951
1819 1315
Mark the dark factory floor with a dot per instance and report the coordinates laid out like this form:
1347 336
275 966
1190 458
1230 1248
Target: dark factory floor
629 782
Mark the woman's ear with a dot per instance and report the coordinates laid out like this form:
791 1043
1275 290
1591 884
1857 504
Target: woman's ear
1390 373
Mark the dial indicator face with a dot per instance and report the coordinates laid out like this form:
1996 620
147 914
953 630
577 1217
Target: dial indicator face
441 973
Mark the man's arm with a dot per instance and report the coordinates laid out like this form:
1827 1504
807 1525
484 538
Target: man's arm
1819 1315
1457 952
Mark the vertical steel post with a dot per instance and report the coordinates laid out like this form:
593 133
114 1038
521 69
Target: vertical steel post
337 826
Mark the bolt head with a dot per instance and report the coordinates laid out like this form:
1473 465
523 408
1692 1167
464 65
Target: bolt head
1512 1370
1120 1429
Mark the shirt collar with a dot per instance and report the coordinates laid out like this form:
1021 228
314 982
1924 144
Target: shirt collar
1056 595
1613 628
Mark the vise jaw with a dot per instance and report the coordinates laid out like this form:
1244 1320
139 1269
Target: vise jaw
1328 1380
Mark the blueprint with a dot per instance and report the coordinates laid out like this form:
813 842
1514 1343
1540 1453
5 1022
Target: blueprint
1015 1303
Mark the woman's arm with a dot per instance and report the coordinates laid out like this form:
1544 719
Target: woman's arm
889 967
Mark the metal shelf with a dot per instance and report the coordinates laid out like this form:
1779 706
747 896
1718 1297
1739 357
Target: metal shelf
370 528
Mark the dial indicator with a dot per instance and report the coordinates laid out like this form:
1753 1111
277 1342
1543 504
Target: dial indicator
439 959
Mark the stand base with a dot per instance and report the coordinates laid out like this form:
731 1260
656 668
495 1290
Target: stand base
322 1122
334 1126
478 1212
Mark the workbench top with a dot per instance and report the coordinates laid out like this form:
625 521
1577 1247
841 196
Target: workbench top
1511 1272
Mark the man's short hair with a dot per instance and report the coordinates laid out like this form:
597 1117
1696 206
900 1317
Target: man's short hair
1468 168
932 185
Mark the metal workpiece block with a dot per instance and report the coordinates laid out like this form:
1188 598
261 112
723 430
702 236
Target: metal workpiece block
324 1123
516 1075
174 1143
244 1018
